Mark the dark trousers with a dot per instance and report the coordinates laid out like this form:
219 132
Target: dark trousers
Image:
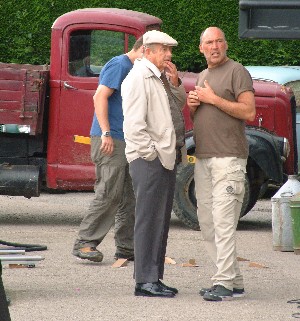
4 313
154 188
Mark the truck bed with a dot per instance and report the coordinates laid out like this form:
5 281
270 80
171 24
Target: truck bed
22 95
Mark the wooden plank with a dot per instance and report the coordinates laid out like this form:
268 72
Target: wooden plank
9 95
11 74
11 85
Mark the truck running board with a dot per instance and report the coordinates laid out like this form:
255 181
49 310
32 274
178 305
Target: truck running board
20 180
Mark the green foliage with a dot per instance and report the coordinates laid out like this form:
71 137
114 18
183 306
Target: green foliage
25 30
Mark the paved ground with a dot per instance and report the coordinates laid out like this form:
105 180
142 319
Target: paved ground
62 288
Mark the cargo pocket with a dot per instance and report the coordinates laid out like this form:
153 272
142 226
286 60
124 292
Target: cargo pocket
236 182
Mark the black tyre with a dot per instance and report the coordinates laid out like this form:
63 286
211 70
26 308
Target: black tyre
255 181
185 204
252 192
246 201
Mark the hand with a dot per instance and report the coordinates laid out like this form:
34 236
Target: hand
193 101
172 73
205 94
107 146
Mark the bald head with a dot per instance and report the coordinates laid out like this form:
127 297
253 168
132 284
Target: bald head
211 30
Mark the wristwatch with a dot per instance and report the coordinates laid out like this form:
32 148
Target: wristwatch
106 134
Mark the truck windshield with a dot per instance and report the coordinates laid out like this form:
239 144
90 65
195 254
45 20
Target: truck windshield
89 50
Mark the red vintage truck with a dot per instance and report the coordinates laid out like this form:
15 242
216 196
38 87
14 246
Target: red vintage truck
42 108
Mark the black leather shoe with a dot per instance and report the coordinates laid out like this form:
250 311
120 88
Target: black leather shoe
152 290
169 288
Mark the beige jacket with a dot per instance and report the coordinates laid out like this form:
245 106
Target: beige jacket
148 126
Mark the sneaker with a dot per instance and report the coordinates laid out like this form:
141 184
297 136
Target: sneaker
218 293
236 293
89 253
128 257
204 290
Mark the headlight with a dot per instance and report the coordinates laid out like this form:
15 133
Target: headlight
24 129
284 147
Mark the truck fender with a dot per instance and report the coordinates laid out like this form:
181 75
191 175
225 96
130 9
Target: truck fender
264 151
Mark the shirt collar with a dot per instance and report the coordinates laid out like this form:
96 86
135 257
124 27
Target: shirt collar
152 67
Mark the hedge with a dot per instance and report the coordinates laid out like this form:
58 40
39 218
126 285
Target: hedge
25 30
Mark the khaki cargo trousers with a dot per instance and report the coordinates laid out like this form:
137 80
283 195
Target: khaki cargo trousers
113 203
220 188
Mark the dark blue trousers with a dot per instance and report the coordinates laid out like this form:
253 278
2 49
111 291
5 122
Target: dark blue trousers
4 313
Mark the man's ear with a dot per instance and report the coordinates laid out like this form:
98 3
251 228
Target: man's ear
147 50
200 48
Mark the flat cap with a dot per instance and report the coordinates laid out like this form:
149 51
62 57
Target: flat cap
155 36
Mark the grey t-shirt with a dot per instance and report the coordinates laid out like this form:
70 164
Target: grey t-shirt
216 133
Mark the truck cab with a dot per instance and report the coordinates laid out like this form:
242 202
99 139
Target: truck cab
82 42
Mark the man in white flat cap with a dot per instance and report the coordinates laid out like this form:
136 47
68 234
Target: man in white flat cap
153 98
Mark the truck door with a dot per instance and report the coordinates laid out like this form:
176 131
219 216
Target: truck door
85 52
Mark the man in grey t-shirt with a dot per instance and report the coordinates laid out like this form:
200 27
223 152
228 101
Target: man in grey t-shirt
222 101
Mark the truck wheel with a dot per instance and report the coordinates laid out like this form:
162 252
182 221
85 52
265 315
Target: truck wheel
185 204
252 192
247 197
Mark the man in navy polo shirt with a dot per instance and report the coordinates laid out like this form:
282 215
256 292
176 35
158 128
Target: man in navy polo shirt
114 200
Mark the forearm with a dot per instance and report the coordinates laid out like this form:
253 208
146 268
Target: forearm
243 108
238 110
101 110
179 94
